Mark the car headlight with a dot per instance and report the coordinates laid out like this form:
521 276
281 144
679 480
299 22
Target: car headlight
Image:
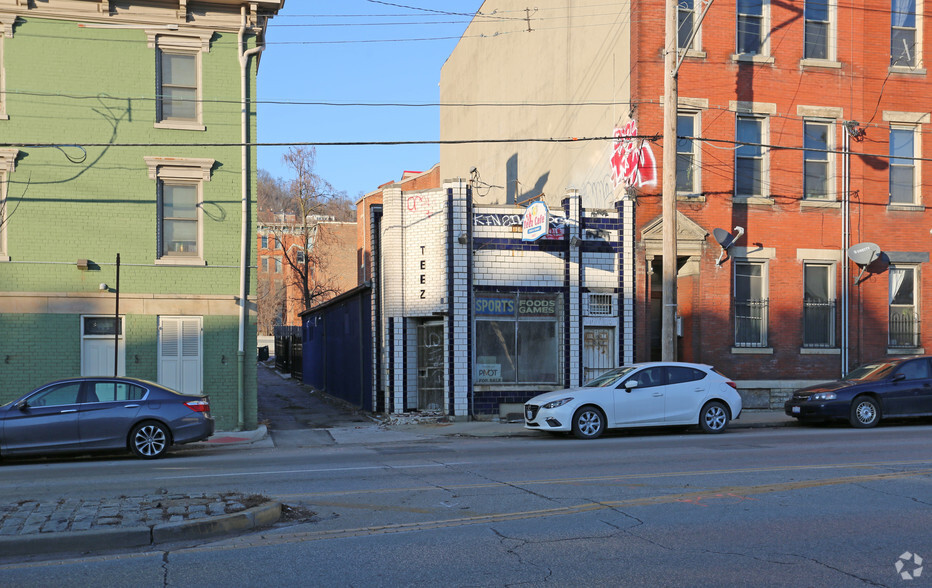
557 403
824 396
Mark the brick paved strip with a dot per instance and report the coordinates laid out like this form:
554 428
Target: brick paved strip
103 539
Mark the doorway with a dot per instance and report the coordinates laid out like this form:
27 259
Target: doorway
98 336
598 351
430 366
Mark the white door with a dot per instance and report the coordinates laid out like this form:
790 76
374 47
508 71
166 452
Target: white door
598 351
180 353
97 341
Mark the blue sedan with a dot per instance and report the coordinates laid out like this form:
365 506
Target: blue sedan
90 414
895 387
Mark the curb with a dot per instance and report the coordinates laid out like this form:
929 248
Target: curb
103 539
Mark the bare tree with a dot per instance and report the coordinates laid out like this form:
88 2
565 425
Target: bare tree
272 297
271 195
311 199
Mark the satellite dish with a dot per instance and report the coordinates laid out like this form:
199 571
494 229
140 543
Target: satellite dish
726 240
863 253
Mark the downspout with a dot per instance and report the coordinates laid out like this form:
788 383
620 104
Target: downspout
845 243
244 56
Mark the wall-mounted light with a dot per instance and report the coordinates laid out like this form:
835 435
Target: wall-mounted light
574 241
463 239
103 287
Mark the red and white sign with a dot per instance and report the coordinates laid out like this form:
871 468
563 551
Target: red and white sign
536 222
633 161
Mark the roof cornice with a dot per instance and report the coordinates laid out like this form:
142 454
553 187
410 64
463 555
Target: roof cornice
222 15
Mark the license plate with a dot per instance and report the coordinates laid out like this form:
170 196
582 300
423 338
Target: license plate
795 409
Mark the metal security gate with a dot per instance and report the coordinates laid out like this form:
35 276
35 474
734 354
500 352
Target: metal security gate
430 366
598 351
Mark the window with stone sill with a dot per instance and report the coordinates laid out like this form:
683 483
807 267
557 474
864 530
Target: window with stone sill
904 34
818 30
179 208
750 157
753 27
178 77
903 170
818 141
686 24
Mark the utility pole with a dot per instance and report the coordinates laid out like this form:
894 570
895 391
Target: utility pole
670 98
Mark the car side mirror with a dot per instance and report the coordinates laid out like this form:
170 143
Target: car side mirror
22 405
899 377
631 384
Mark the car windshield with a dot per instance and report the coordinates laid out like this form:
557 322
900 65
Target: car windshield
871 371
610 378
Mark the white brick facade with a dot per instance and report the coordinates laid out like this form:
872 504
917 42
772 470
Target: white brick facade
438 252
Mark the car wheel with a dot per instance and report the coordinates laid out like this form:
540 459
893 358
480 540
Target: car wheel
713 418
588 423
865 412
149 440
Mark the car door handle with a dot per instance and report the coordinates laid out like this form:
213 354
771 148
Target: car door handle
69 410
658 393
131 406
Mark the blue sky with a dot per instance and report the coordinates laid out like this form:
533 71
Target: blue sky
323 51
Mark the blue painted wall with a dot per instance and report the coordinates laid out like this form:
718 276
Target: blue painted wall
338 347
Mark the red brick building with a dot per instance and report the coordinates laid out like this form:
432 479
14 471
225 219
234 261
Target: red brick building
283 243
806 81
368 211
804 124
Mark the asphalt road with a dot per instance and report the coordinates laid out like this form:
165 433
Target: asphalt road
828 506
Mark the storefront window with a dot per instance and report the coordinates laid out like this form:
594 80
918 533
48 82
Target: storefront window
516 338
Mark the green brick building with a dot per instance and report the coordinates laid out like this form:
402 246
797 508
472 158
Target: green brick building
122 128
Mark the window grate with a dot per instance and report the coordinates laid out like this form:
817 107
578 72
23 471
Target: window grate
601 305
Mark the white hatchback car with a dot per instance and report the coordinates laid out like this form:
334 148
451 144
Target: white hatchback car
639 395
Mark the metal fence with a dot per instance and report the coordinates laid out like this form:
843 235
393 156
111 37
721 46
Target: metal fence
904 328
751 322
289 350
819 323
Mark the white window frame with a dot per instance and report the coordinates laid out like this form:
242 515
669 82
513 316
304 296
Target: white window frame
180 171
917 180
764 53
830 34
7 164
917 290
830 270
696 153
764 155
190 43
917 63
695 49
763 343
828 161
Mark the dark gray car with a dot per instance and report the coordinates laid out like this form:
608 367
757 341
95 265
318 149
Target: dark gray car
89 414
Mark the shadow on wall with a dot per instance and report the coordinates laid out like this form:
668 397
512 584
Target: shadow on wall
512 184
